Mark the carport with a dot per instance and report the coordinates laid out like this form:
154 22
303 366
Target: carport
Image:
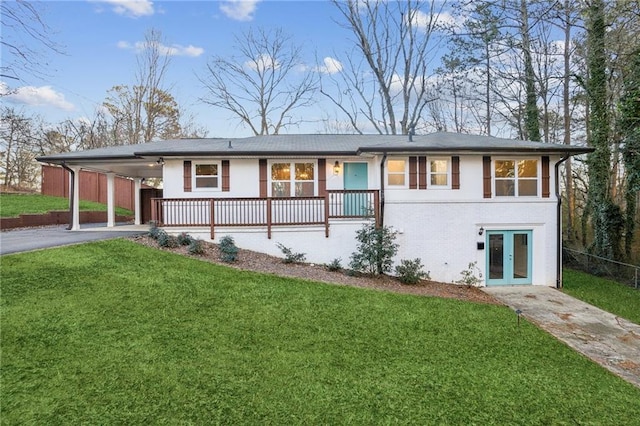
112 161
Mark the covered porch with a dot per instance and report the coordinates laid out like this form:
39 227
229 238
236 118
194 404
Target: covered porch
267 212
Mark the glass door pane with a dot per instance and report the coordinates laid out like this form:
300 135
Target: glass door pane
520 255
496 256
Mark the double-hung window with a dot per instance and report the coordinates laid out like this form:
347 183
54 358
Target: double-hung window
207 175
439 172
396 172
292 179
516 178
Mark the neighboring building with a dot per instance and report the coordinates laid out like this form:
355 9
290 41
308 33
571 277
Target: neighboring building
453 199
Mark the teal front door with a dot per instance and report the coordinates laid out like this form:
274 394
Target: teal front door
356 177
509 257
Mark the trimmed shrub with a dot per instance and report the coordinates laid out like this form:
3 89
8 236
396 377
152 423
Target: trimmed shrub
195 247
184 239
290 256
469 277
335 265
167 241
376 248
411 272
154 231
228 249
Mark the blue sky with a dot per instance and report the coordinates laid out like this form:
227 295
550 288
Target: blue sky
98 39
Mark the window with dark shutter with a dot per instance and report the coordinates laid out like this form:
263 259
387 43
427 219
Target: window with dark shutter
226 184
455 172
413 172
422 172
186 173
545 177
486 176
263 177
322 176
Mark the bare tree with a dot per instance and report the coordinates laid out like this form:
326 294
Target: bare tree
22 20
18 148
386 77
261 85
146 110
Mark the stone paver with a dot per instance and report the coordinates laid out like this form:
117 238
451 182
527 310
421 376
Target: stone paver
611 341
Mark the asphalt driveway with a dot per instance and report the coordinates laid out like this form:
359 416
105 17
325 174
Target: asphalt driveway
28 239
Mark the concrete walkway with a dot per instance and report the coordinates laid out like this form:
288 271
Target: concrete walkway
611 341
28 239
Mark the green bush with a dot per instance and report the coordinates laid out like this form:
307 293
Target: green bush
411 272
167 241
154 231
184 239
290 256
376 248
195 247
228 249
335 265
469 277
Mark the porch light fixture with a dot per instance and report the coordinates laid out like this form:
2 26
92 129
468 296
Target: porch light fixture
481 231
160 161
336 168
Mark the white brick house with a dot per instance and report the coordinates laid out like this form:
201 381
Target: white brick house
453 199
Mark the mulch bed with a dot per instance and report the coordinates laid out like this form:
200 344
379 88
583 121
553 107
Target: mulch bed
260 262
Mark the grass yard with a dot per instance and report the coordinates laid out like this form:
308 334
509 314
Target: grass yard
609 295
118 333
12 205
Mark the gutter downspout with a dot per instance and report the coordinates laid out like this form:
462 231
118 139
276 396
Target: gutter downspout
559 222
71 191
384 159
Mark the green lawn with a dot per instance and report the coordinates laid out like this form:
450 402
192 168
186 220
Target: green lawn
609 295
118 333
12 205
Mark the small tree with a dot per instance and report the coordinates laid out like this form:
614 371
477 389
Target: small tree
376 248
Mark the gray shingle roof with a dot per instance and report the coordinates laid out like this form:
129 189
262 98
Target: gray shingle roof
313 145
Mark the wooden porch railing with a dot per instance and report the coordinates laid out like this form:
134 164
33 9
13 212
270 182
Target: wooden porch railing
269 211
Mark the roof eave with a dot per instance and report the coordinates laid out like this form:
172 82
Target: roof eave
236 153
476 150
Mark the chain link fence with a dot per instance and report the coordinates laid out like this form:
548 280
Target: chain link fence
624 273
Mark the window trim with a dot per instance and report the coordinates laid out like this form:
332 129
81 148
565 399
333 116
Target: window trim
405 173
292 180
515 179
430 173
194 176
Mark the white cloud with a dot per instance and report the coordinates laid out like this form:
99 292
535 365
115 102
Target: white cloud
37 96
173 50
131 8
262 63
330 66
440 21
239 10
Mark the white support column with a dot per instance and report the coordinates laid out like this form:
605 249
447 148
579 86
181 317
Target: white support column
137 184
75 197
111 208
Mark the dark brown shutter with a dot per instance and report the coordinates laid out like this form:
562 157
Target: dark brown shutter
545 176
486 176
186 173
413 173
422 172
322 176
263 177
455 172
226 187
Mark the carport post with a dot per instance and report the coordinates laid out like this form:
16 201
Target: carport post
137 185
75 210
111 208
